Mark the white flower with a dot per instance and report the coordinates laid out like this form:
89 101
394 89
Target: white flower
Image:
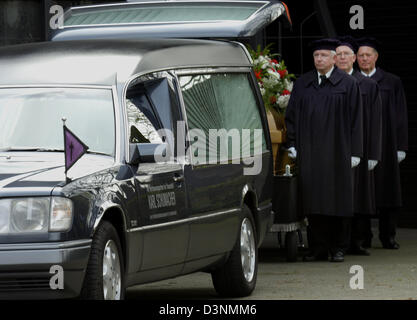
282 101
262 90
266 58
274 74
263 61
288 84
270 82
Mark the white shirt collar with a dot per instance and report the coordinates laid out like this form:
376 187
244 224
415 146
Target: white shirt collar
369 74
350 72
327 74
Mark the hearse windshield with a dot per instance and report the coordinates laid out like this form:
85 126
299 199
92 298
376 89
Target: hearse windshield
31 118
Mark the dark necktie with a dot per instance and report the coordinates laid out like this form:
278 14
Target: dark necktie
323 80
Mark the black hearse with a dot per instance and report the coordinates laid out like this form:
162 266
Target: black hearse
147 201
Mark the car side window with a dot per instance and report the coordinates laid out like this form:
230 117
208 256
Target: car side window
143 124
153 109
223 101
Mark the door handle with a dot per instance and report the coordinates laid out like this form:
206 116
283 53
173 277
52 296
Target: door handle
178 178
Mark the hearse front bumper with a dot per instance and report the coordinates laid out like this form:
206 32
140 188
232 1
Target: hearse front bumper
28 269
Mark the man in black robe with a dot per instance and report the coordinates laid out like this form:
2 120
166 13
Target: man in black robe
394 140
324 133
364 185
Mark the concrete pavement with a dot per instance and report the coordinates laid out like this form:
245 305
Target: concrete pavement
388 274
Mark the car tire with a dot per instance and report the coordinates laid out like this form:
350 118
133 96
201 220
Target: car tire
104 278
291 245
237 277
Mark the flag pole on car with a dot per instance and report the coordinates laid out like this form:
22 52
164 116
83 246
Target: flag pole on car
74 148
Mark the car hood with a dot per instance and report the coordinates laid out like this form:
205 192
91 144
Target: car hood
37 173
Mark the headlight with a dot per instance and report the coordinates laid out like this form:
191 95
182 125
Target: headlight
35 215
29 215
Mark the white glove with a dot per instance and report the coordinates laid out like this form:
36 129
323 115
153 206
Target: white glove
355 161
292 153
372 164
401 156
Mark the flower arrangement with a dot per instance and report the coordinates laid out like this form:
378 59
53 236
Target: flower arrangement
273 78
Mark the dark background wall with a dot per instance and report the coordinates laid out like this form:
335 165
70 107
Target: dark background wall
392 22
20 21
24 21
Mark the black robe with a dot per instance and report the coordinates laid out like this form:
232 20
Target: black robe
364 182
324 124
394 138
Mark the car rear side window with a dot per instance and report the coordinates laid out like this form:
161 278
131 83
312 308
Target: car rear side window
223 101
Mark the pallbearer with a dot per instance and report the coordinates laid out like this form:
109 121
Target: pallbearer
364 185
324 132
394 140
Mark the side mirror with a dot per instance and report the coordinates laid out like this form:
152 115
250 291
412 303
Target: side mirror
146 152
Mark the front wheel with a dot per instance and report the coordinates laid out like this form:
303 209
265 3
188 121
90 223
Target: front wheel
104 275
237 277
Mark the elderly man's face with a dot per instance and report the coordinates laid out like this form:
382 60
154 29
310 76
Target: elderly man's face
324 60
345 58
367 58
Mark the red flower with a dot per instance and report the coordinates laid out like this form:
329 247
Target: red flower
258 75
285 92
282 73
274 61
272 99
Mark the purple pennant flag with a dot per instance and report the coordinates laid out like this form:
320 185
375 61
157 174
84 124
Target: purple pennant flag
74 148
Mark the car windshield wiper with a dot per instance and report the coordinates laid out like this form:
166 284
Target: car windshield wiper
8 149
49 150
97 152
